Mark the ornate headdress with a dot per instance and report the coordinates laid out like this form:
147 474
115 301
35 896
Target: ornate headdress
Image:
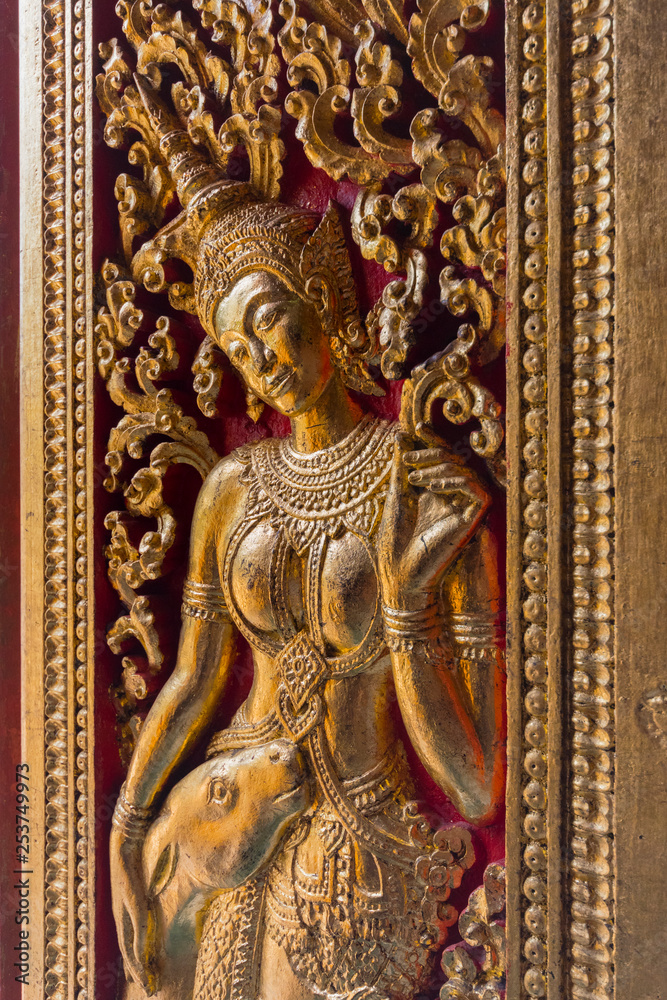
233 82
227 230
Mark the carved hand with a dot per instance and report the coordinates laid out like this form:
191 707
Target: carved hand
433 506
132 912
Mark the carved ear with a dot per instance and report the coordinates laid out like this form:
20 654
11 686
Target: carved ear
253 404
327 273
325 267
164 870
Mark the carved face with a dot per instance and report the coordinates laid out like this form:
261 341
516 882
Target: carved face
274 338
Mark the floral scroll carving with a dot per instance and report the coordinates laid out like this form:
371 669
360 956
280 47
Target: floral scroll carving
150 412
233 66
475 970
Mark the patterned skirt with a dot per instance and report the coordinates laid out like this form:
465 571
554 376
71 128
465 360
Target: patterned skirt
349 922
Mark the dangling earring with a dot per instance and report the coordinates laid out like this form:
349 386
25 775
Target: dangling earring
352 366
253 404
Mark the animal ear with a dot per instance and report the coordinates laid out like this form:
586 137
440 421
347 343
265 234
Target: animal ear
164 870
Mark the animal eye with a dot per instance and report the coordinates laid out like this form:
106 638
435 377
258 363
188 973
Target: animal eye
219 792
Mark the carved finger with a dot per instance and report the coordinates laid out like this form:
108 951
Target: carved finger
453 522
425 457
444 471
462 498
439 479
458 494
126 940
458 501
141 954
399 483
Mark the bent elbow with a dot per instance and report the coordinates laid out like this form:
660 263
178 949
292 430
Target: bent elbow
480 805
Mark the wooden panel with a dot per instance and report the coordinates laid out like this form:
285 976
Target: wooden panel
641 445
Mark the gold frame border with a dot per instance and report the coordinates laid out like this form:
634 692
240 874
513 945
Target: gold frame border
560 838
57 366
560 661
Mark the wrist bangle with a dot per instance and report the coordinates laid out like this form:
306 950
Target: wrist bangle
205 602
477 636
404 629
130 820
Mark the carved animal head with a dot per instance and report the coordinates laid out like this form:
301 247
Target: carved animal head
224 820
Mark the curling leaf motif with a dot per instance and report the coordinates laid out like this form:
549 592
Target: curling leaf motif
216 72
149 412
481 925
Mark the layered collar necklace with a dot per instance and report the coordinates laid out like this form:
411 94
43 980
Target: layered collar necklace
337 488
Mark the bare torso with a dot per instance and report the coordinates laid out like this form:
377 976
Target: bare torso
359 719
296 554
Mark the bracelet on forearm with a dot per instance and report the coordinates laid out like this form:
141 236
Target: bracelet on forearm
205 602
130 820
477 636
405 629
202 614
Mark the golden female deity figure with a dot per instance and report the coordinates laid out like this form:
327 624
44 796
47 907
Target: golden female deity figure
294 862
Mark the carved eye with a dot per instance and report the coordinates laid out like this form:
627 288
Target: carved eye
264 318
219 792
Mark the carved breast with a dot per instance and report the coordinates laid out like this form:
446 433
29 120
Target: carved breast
331 589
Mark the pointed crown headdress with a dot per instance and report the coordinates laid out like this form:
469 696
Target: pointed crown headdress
227 229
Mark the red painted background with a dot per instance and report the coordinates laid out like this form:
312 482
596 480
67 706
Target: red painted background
304 186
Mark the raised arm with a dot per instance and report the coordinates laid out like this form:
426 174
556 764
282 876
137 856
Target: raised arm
433 510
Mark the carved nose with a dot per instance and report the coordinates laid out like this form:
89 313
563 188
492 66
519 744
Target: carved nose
262 355
274 756
270 357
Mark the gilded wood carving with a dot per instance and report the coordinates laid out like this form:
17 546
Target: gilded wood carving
352 556
333 880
